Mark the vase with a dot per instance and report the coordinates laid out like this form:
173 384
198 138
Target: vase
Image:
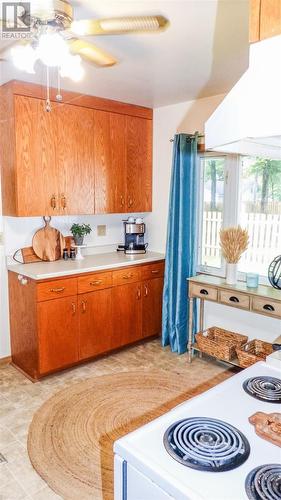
231 273
78 240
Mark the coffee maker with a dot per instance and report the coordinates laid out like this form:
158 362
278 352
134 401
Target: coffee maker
134 232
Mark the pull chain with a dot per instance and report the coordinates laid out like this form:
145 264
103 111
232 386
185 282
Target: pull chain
59 96
48 101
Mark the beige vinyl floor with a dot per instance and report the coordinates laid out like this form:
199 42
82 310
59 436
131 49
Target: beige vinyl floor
20 398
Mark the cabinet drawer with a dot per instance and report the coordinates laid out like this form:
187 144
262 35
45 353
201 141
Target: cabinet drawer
266 306
93 282
234 299
129 275
54 289
203 291
152 271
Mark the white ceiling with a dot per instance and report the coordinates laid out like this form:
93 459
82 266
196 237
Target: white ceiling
202 53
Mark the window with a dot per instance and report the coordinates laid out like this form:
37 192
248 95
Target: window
240 190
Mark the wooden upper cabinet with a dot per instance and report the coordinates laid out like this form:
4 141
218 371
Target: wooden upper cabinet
265 19
270 18
89 155
75 163
110 162
37 183
139 164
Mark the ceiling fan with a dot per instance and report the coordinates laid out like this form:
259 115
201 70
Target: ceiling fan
53 32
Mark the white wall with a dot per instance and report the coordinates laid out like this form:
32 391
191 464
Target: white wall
188 117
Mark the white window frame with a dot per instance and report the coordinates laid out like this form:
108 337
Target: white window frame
231 202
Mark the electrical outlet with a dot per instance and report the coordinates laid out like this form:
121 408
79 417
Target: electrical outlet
101 230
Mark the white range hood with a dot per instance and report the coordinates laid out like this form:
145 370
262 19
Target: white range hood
248 121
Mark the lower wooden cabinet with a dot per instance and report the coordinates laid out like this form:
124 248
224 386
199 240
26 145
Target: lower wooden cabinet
59 323
127 313
152 307
95 323
57 333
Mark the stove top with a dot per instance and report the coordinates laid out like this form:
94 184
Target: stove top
264 483
264 388
206 444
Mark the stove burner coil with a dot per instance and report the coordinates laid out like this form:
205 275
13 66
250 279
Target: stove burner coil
264 483
264 388
206 444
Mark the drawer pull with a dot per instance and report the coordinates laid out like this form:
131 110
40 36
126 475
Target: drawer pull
127 276
57 290
233 299
95 283
268 307
204 292
155 271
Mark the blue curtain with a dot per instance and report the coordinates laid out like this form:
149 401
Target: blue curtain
181 242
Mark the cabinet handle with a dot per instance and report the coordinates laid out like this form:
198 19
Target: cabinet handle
155 271
57 290
97 282
83 303
73 308
53 202
268 307
145 291
204 292
233 299
122 200
127 276
130 202
139 294
63 202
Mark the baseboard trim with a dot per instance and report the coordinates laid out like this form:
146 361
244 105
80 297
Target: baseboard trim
5 361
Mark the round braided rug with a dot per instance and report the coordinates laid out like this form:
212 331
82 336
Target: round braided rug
70 441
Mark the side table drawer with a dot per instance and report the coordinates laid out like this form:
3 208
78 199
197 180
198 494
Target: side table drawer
234 299
266 306
203 292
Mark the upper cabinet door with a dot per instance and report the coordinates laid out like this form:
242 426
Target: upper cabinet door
36 173
75 150
110 166
139 164
270 18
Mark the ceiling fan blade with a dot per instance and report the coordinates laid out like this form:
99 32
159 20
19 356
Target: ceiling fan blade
119 25
91 53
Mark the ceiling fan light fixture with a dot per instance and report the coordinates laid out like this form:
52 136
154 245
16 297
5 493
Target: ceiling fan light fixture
72 68
24 58
52 49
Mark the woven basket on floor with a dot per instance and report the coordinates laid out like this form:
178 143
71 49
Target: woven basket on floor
220 343
253 351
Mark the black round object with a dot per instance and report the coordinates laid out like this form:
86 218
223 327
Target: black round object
274 272
206 444
264 388
264 483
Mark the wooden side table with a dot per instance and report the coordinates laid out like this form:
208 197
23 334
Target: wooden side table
261 300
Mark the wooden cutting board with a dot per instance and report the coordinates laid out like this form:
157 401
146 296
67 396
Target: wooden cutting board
47 242
267 426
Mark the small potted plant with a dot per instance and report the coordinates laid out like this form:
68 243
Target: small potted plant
233 241
79 231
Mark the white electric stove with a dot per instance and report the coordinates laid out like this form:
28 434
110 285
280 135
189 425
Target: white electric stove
205 448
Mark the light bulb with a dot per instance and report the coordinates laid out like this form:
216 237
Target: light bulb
24 58
71 68
52 49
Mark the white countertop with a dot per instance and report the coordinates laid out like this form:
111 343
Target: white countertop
95 262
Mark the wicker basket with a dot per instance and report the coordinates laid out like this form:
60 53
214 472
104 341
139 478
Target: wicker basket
253 351
220 343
